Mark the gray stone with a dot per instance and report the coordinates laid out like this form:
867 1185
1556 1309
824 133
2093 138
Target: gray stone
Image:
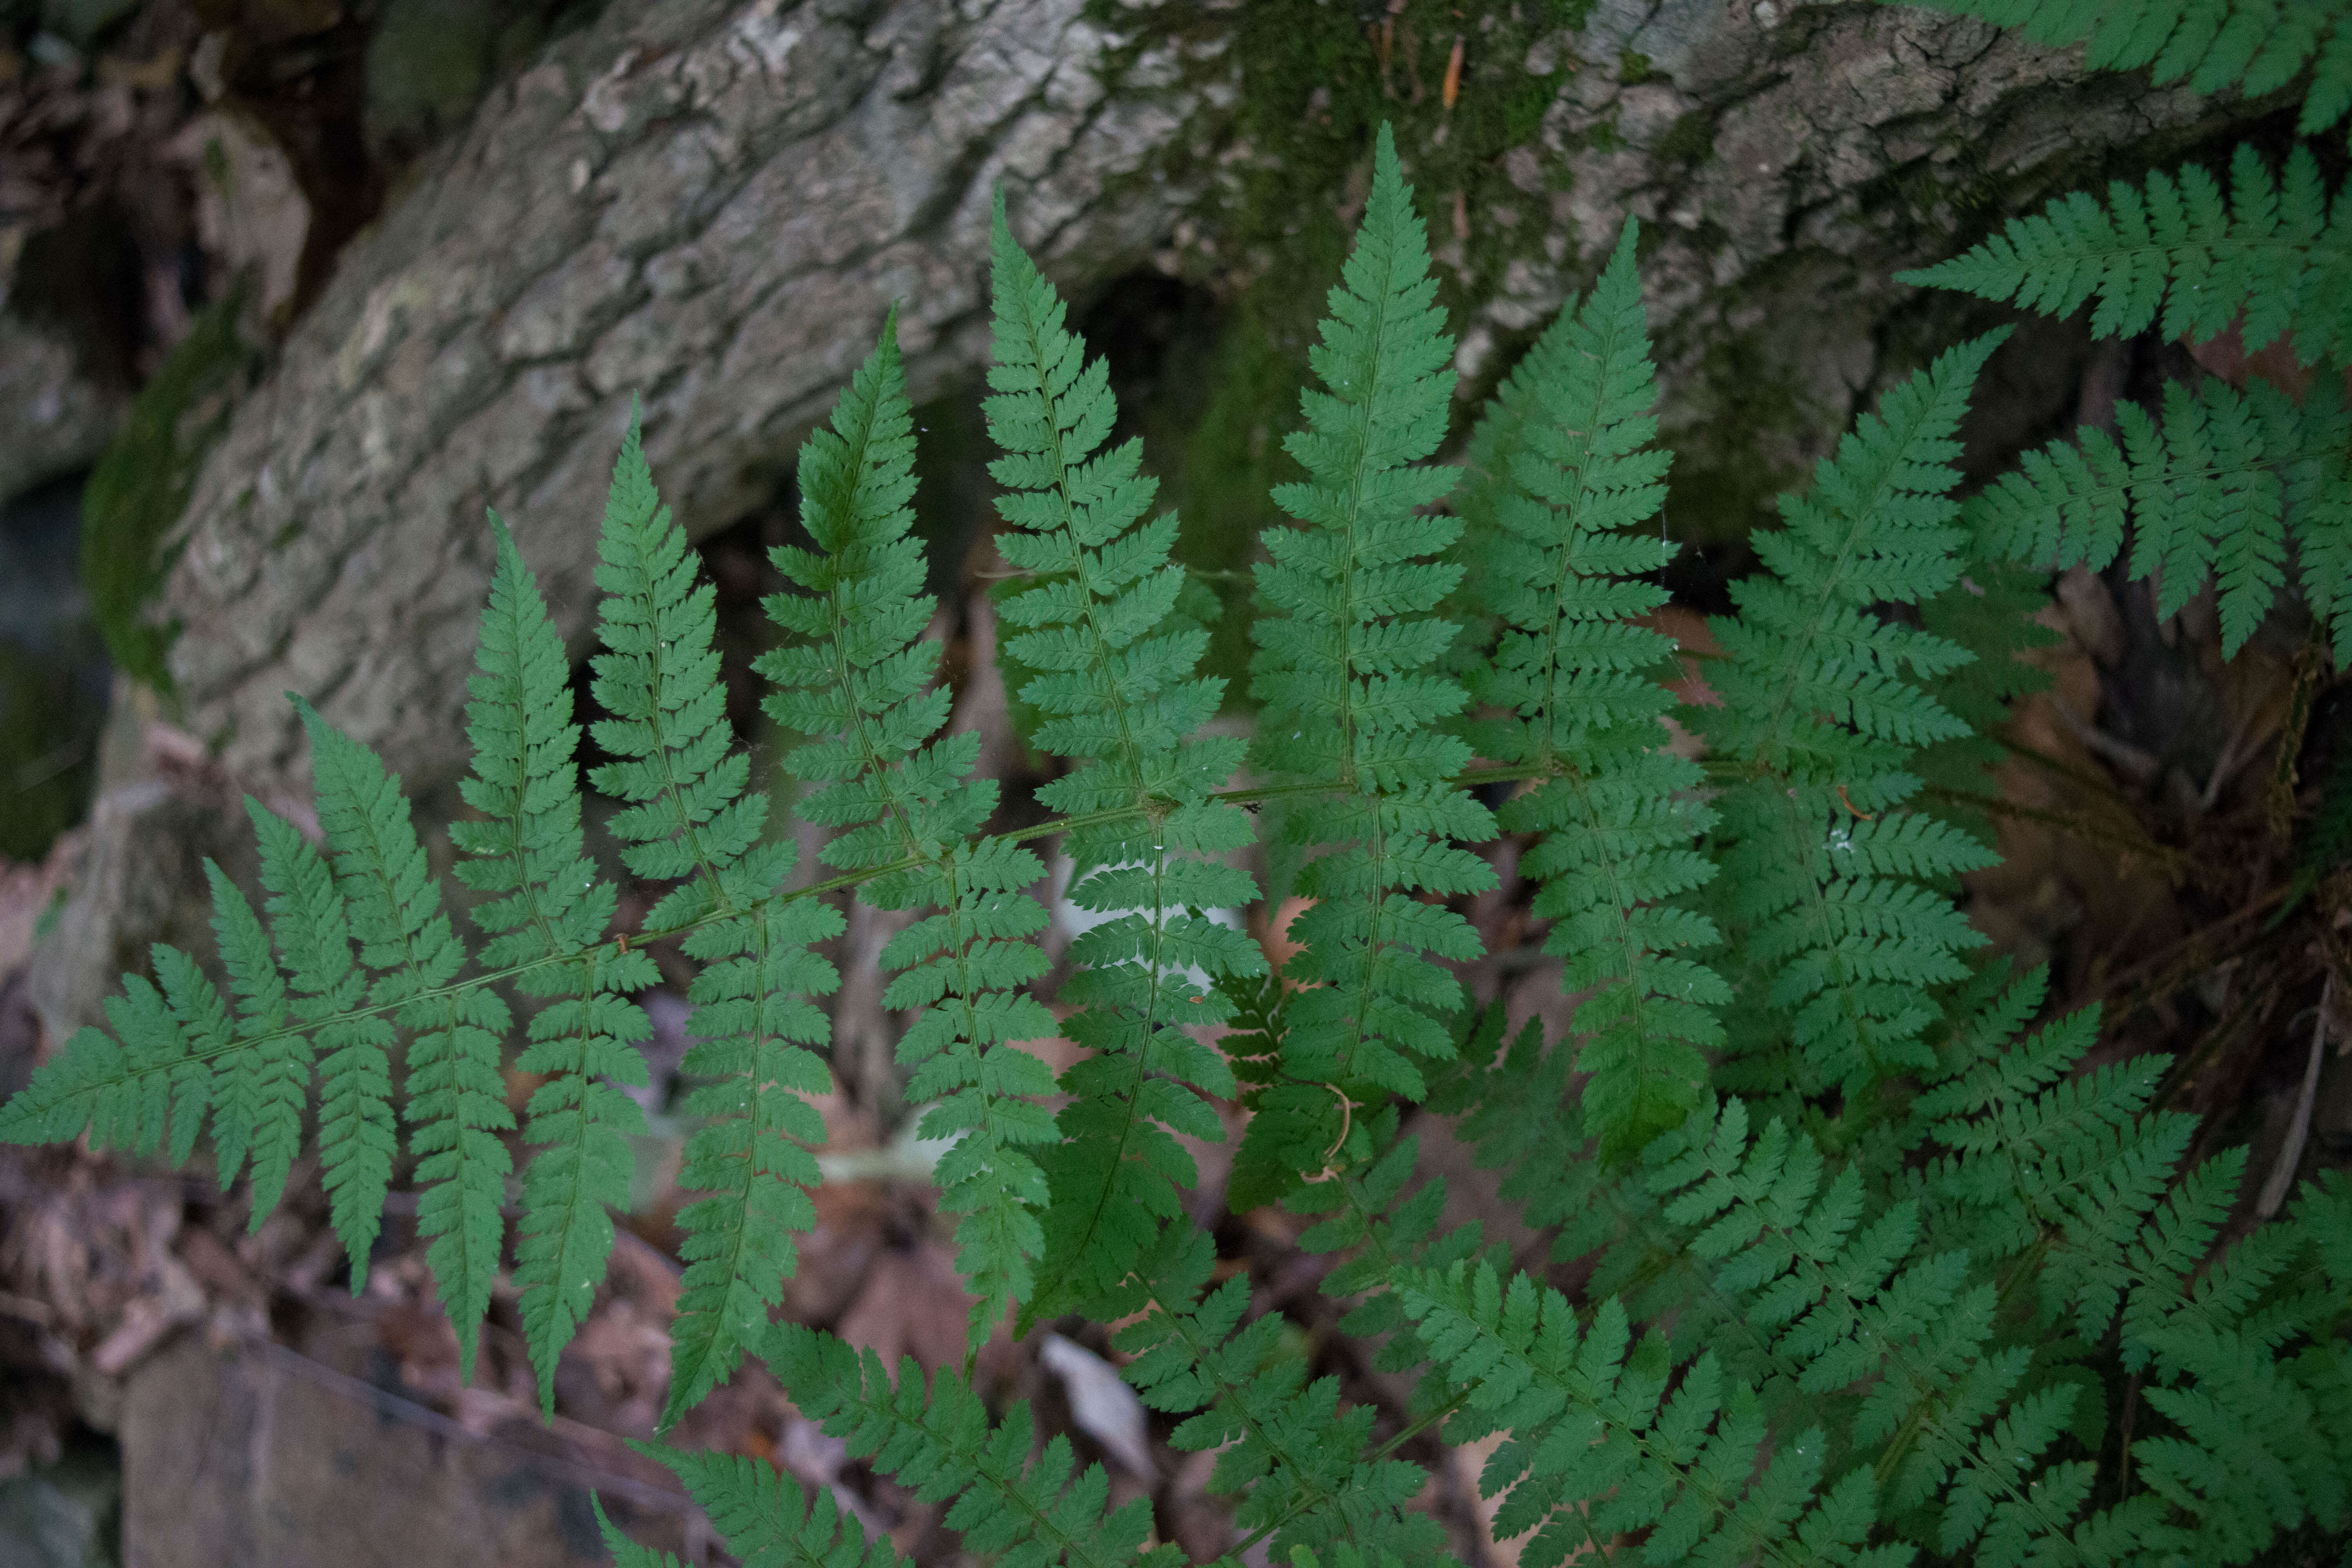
259 1457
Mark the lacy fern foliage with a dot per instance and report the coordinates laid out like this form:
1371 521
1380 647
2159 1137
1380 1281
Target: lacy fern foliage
1843 1254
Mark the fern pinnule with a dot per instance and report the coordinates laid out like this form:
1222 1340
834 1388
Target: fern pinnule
1342 668
1120 696
1561 562
552 906
860 682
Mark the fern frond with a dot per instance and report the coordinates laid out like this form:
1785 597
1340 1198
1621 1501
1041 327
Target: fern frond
2254 46
552 906
1598 1444
1018 1512
1560 564
1119 695
1823 703
258 1095
1835 1289
457 1099
2038 1155
2212 487
356 1141
1301 1463
1990 612
764 1517
861 682
2277 253
1341 667
689 818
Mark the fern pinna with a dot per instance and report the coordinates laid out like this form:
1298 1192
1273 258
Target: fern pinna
1843 1254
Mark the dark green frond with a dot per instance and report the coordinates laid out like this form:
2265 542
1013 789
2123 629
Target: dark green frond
356 1141
1823 703
550 904
1014 1505
1562 563
2275 253
765 1519
457 1099
1344 668
1120 698
689 818
1300 1465
859 681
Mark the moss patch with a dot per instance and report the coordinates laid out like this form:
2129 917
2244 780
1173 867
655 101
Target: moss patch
1316 80
140 487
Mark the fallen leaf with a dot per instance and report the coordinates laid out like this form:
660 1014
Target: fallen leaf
1101 1403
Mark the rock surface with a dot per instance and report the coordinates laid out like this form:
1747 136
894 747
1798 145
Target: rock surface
265 1458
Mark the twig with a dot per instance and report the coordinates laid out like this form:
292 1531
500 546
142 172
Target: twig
2289 1154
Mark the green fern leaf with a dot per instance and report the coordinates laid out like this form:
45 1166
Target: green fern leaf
689 818
2275 254
1597 1444
259 1096
627 1554
1561 566
860 681
1302 1464
1341 667
1823 705
1014 1504
1117 688
356 1141
457 1099
552 908
765 1519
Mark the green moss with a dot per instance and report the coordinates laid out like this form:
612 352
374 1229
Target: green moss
1723 482
1633 67
140 487
1688 140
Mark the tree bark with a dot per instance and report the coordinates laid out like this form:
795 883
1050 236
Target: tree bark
711 205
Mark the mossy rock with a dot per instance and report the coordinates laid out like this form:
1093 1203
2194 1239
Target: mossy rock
140 487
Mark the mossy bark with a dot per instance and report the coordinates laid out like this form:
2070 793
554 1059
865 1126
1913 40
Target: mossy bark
712 203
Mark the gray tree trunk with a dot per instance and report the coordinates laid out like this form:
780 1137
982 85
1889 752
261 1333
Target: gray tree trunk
712 205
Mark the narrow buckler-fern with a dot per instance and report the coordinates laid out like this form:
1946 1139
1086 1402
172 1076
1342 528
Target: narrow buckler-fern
1850 1260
